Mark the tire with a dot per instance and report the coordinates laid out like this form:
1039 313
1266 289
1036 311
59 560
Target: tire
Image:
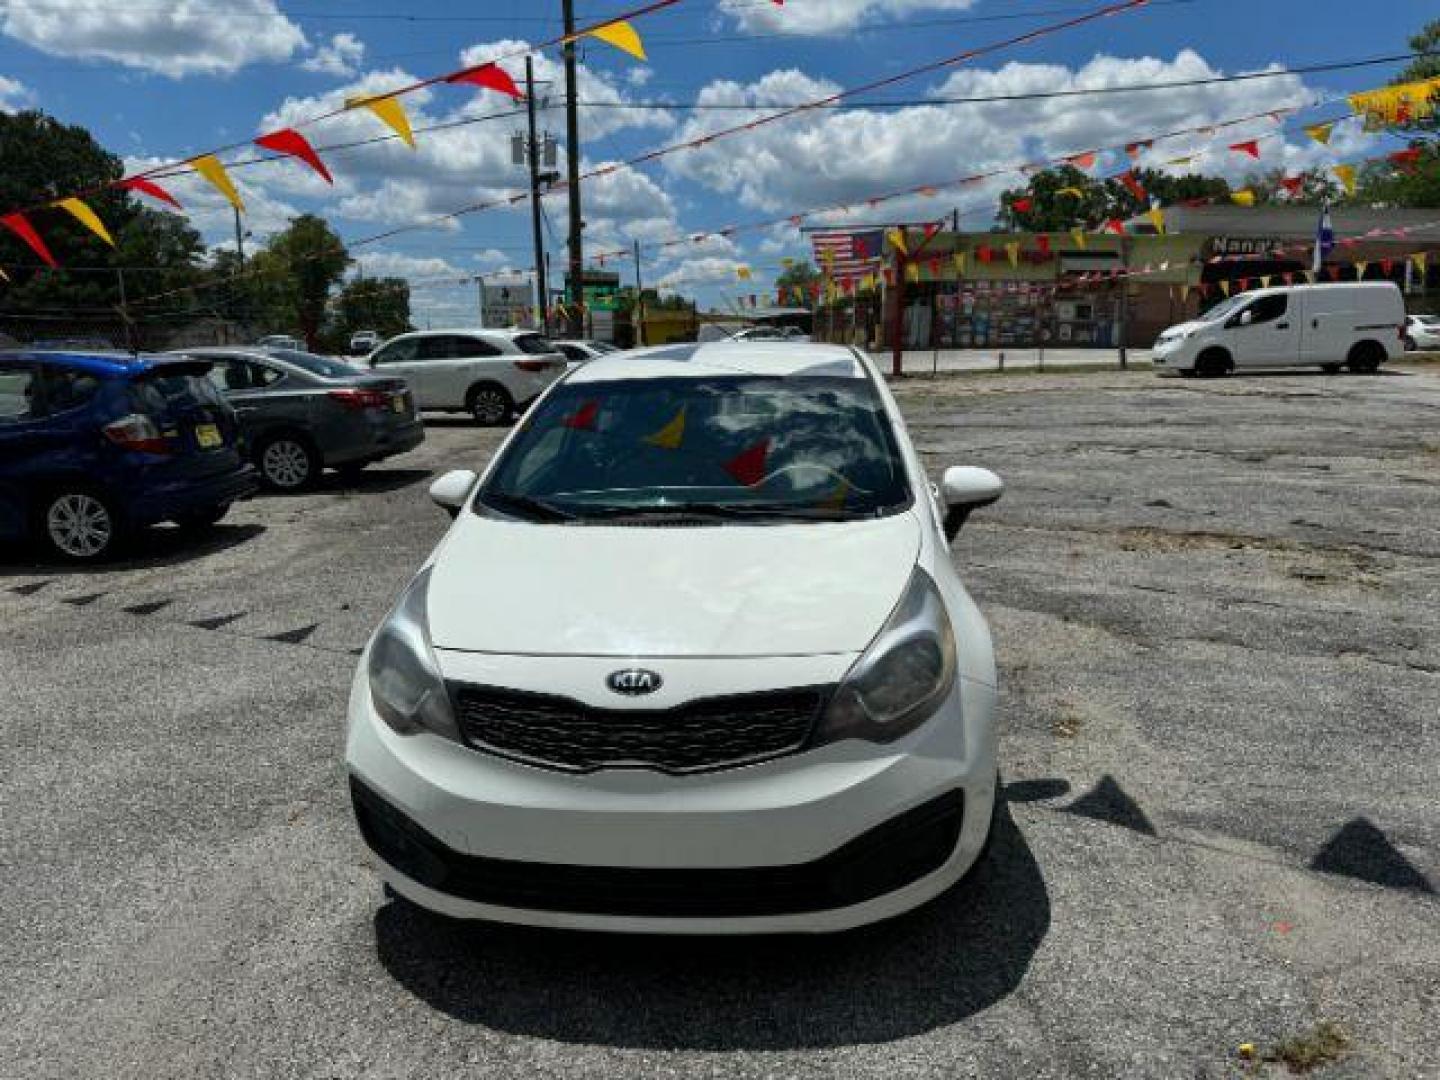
1331 369
203 519
1366 358
489 404
79 524
286 462
1214 364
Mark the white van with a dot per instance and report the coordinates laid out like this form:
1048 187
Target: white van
1329 326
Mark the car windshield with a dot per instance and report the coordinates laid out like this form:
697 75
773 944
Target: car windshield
743 448
1226 308
315 365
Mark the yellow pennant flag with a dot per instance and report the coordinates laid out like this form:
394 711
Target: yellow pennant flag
1012 250
743 273
959 262
1075 191
1180 161
836 499
1243 198
390 111
1265 280
1360 268
622 35
1321 133
787 263
208 166
912 272
1078 235
671 435
897 241
1225 287
87 217
3 275
1157 218
1346 174
1184 293
1393 105
1420 258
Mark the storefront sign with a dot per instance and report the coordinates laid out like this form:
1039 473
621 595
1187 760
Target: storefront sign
1244 245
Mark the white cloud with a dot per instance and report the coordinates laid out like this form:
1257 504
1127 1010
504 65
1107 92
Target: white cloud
14 95
397 264
639 76
174 39
703 271
340 57
833 156
827 16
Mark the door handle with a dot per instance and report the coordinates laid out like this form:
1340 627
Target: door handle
1314 324
1282 326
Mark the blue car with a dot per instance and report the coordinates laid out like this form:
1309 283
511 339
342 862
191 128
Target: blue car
94 446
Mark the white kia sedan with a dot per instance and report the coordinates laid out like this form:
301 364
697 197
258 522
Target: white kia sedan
693 658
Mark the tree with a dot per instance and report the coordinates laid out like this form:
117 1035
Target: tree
292 277
1384 183
1065 198
379 304
1316 188
161 253
800 275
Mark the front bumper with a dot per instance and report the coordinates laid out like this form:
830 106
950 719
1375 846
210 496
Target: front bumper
823 840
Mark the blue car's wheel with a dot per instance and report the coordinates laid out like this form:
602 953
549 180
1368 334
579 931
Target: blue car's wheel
79 524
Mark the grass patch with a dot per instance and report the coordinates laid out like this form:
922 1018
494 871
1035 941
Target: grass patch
1324 1044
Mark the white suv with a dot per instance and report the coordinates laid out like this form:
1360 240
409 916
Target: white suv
488 373
694 658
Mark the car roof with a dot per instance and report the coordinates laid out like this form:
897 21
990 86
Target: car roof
97 362
725 358
508 332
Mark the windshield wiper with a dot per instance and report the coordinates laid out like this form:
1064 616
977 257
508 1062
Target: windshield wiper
716 512
525 506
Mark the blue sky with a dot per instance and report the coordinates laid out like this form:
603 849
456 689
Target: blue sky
158 81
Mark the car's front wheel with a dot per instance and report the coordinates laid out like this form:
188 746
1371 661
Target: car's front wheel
287 463
80 524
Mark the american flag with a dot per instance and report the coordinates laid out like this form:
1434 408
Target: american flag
848 254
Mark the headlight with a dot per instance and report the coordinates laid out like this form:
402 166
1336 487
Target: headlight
405 682
902 678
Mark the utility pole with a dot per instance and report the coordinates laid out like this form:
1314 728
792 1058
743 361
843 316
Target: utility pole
640 299
572 162
1124 301
542 285
239 237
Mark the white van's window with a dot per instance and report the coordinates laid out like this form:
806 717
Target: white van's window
1269 308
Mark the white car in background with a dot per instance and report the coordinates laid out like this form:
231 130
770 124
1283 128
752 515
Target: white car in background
1422 333
579 352
490 374
693 658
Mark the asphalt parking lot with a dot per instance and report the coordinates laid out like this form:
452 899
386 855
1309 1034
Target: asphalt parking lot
1217 610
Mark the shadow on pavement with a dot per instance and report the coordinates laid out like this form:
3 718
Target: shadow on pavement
373 479
957 956
159 545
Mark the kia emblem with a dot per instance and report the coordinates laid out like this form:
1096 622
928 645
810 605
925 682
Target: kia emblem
633 682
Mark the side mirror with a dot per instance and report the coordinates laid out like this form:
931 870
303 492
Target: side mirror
452 489
964 490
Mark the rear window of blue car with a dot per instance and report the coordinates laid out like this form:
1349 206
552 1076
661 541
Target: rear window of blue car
159 392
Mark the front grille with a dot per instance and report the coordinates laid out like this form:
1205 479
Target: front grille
713 733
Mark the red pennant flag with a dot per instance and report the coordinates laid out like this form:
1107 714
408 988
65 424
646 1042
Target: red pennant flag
1133 185
931 230
748 467
1204 288
1116 226
1387 265
1244 284
1043 243
862 249
583 419
17 224
1289 276
1250 146
149 187
491 77
1293 184
935 268
1406 159
984 253
1334 272
1023 206
291 142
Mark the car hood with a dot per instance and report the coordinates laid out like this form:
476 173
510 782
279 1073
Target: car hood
1184 328
555 590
